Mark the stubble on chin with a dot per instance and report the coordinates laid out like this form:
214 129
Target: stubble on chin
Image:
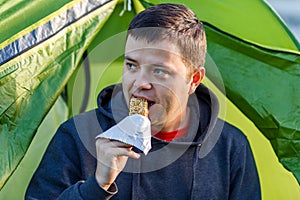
157 116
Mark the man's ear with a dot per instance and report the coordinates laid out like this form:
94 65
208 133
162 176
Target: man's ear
196 79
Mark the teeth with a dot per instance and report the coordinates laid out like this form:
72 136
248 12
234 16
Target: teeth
138 106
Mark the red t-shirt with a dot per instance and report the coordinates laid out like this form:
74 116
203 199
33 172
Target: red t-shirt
168 136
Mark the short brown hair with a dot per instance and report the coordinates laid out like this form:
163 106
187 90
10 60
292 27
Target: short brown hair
173 22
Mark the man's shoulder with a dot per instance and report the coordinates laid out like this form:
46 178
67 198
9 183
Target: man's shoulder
232 135
88 116
83 123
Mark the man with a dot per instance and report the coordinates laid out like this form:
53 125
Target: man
194 154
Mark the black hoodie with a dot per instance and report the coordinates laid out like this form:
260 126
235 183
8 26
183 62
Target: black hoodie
213 161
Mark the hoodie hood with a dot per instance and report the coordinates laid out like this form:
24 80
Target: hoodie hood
204 109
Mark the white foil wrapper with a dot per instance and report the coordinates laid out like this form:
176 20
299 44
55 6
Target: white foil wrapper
134 130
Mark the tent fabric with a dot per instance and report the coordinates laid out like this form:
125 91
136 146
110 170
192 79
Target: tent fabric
253 21
47 30
34 70
16 185
264 85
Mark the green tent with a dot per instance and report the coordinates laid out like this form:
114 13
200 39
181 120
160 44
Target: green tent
55 56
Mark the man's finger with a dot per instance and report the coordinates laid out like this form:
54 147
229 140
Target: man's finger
121 151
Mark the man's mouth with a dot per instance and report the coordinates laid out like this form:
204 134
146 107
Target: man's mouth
150 103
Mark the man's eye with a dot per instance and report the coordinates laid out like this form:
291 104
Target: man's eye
160 72
131 66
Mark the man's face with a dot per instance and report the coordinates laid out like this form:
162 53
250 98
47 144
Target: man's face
156 72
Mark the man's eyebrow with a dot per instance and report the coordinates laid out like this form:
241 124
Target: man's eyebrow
130 59
162 65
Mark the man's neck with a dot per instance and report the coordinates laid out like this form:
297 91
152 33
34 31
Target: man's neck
179 123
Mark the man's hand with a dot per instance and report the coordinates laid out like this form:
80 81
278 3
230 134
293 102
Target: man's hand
112 156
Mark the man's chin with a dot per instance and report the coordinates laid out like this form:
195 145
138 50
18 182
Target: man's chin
157 116
156 127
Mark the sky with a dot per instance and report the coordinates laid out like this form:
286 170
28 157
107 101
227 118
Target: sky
289 11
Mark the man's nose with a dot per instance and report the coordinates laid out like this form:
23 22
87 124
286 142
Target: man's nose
142 81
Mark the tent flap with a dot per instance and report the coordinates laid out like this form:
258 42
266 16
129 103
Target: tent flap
35 68
264 84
